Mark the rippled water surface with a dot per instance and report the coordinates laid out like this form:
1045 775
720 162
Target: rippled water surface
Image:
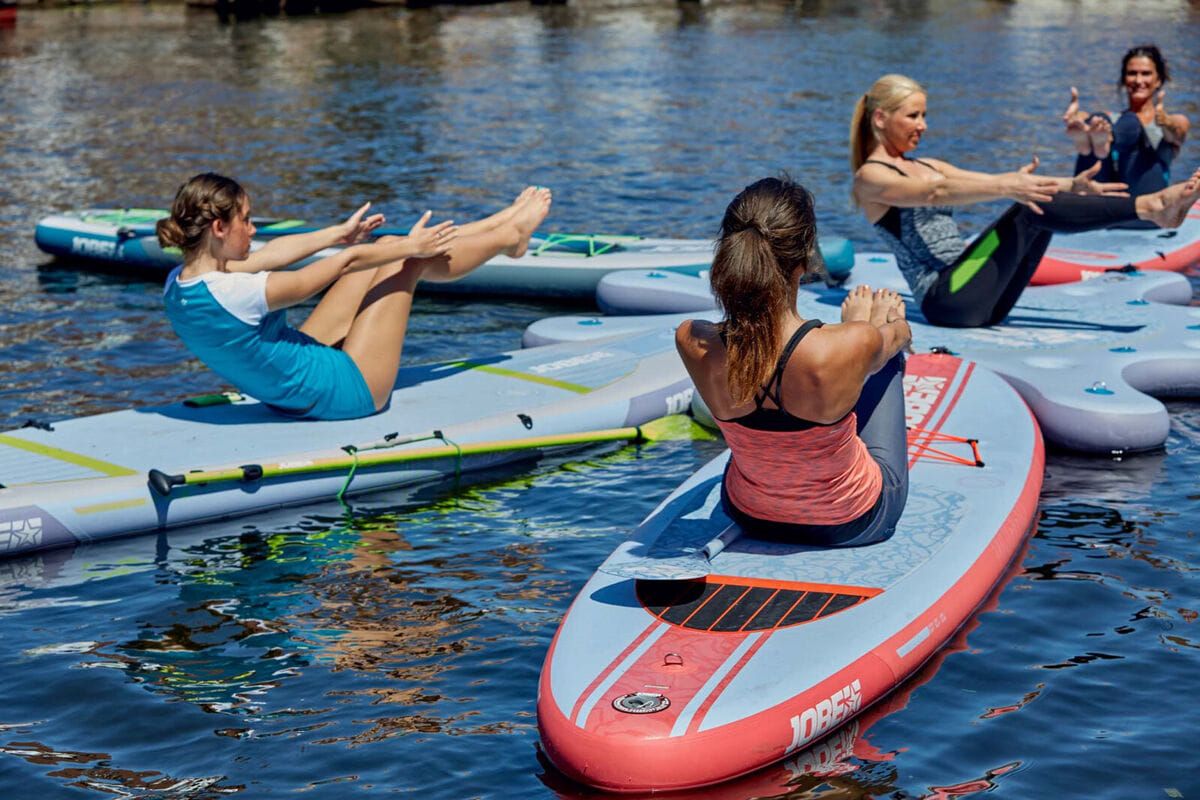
396 649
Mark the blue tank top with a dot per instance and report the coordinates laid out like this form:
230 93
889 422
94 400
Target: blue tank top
925 240
258 352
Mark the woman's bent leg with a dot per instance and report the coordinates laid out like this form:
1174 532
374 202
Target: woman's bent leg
507 231
375 338
983 285
882 427
509 234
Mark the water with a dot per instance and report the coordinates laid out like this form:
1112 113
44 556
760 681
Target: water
396 650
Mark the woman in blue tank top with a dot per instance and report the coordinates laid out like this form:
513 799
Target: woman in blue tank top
910 200
1138 149
227 303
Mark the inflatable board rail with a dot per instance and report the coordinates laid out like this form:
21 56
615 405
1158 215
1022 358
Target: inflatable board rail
150 469
1085 356
659 679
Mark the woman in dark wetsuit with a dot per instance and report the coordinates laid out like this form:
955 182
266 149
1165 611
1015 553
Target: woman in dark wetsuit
813 413
909 202
1139 147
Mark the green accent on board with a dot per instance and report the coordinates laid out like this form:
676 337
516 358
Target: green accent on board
126 216
524 376
580 244
283 225
103 467
115 505
974 262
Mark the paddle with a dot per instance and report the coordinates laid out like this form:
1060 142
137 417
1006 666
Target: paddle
382 453
686 567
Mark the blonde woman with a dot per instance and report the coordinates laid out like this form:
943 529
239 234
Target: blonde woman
910 202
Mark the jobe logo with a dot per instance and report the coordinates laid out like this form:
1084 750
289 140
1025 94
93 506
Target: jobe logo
93 247
679 402
20 533
573 361
825 715
828 758
920 393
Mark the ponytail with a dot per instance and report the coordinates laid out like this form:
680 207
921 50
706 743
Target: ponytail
861 136
768 235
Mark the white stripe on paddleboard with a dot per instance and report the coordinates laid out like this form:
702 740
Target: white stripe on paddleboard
912 643
615 674
710 685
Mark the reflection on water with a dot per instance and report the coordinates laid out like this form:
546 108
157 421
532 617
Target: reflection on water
396 649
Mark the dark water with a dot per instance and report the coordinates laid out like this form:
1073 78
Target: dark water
396 650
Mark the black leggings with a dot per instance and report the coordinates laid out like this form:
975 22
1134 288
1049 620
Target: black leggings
880 413
983 285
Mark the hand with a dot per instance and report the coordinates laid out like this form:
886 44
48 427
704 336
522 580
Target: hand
1076 122
1029 189
431 242
358 226
1160 112
1083 184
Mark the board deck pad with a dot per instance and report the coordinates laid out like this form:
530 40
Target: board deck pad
1085 356
658 685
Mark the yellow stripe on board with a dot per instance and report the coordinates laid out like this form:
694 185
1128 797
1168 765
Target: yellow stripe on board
115 505
524 376
103 467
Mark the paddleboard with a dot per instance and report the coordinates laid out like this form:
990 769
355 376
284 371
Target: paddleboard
1085 356
149 469
656 682
558 265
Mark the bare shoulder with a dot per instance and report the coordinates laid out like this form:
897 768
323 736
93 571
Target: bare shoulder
840 345
697 337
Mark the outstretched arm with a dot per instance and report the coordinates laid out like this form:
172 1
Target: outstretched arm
874 183
289 288
285 250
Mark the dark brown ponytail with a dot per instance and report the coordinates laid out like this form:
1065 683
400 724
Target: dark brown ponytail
768 234
197 204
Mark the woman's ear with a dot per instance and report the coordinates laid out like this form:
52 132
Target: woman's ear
878 117
218 228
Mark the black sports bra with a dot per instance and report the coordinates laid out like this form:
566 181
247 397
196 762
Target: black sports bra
763 418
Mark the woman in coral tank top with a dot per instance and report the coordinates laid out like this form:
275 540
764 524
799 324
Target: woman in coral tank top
813 413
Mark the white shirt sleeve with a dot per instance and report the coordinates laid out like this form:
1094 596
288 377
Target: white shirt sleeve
243 294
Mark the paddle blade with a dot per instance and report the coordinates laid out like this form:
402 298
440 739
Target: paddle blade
674 568
675 428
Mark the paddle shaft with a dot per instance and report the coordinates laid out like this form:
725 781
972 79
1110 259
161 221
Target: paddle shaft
163 482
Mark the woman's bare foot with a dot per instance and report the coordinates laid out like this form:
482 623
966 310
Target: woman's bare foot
501 217
858 305
1099 131
526 219
883 310
1169 207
